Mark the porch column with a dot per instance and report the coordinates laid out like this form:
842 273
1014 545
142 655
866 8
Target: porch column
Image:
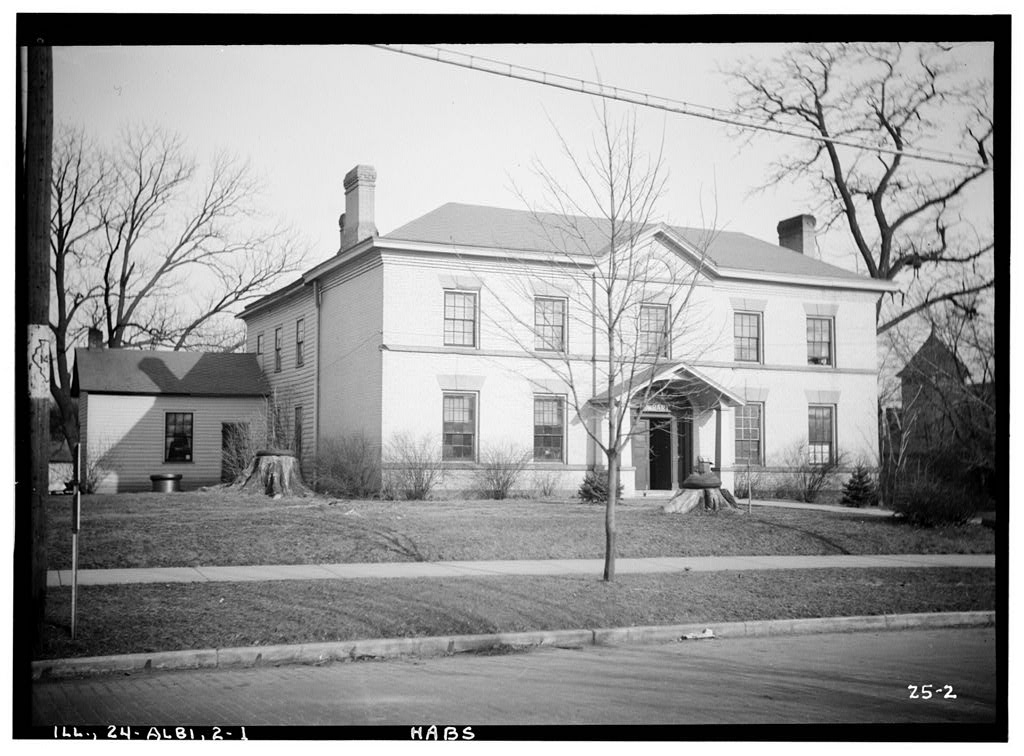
718 438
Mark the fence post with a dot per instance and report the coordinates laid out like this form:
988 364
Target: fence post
76 516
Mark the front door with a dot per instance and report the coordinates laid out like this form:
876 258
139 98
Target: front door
684 428
660 454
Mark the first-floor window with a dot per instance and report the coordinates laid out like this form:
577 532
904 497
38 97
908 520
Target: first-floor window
821 438
178 437
458 430
749 434
298 432
548 428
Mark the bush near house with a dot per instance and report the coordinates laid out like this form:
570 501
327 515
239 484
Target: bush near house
411 468
348 467
594 488
501 468
932 502
859 490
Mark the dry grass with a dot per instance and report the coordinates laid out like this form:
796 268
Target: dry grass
226 528
141 618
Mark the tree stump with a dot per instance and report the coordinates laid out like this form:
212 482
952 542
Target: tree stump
273 472
700 491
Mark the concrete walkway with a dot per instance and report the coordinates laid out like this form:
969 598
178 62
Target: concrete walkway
62 578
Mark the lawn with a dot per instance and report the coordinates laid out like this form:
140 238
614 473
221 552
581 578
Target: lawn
227 528
146 618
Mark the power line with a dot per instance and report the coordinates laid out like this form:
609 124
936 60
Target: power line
596 89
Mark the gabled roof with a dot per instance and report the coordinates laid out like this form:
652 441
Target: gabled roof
934 359
696 382
131 371
498 228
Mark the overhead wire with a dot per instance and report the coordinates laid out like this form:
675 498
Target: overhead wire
636 97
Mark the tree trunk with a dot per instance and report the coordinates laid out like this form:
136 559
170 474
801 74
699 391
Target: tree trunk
707 499
273 473
609 517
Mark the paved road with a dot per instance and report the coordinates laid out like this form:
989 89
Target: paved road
852 678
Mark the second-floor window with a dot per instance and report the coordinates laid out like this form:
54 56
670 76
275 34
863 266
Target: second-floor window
277 350
652 336
300 338
259 343
549 324
819 341
460 318
746 334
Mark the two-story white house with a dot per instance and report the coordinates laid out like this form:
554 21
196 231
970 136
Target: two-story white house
483 327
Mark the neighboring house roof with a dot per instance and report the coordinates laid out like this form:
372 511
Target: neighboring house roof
131 371
499 228
933 358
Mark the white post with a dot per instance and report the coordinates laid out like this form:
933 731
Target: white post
76 516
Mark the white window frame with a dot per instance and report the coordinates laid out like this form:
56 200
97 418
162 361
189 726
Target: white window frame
759 318
561 399
476 318
475 396
831 321
812 457
760 435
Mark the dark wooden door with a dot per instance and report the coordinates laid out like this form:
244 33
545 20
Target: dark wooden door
660 455
684 427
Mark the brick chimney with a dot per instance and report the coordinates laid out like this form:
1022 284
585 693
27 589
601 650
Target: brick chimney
95 338
797 234
357 222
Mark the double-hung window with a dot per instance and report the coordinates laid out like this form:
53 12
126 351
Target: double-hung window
300 339
819 341
460 318
652 331
750 434
549 324
821 434
178 437
277 350
548 428
746 333
458 429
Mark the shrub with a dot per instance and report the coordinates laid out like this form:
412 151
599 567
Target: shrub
348 466
806 479
545 484
928 502
859 490
501 468
750 484
594 488
411 469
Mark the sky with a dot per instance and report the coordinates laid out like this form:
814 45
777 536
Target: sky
304 115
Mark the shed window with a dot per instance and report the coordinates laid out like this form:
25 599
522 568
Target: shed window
178 437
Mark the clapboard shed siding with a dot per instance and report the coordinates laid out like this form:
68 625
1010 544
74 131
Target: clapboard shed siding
124 437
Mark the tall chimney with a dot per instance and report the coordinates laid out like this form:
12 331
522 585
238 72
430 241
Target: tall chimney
95 338
358 219
797 233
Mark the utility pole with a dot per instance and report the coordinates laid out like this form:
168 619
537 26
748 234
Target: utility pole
38 148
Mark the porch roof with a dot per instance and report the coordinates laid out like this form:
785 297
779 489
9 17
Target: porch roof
673 371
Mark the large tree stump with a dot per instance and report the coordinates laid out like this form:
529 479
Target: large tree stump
273 472
700 491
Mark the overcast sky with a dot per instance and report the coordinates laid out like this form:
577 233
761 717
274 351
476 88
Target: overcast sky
305 115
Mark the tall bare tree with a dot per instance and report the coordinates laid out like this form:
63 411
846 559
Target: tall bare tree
903 215
609 265
154 250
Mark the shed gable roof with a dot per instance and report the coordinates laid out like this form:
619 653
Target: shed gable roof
500 228
130 371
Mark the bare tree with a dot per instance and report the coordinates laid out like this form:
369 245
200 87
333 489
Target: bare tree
154 250
610 265
904 215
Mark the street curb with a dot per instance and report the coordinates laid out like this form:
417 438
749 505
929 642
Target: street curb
388 648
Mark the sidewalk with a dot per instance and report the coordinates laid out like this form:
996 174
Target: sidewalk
63 578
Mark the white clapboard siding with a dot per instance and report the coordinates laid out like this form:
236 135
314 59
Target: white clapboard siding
295 385
125 437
